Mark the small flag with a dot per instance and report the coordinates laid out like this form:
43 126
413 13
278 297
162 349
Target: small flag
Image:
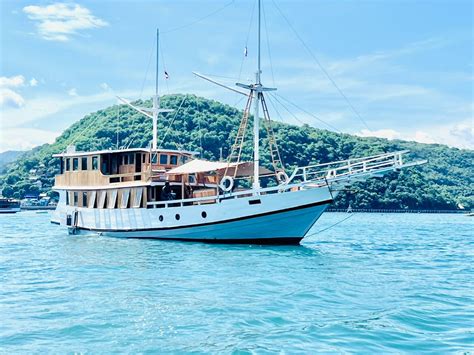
246 51
166 75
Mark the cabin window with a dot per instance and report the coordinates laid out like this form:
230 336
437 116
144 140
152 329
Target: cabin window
173 159
75 198
67 198
95 163
131 159
75 164
154 158
84 199
84 163
163 159
125 159
68 164
61 167
144 158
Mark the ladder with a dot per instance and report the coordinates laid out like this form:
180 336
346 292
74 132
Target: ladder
272 143
236 149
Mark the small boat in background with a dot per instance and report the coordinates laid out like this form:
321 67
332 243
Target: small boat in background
8 205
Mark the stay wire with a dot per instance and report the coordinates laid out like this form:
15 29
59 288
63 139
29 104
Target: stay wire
331 226
147 68
321 66
268 43
172 120
303 110
247 39
199 19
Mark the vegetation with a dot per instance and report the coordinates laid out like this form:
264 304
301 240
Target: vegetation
446 182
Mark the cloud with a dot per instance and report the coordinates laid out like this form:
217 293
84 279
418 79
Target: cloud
58 21
72 92
33 82
459 135
105 87
24 138
8 96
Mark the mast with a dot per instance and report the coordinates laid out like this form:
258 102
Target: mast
156 102
256 118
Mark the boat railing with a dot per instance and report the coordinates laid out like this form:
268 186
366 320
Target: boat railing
222 197
346 169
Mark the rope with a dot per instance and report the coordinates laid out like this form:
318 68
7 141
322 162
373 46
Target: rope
331 226
268 43
172 120
321 66
247 39
147 68
199 19
308 113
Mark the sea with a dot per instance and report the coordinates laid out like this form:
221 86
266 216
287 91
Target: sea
359 283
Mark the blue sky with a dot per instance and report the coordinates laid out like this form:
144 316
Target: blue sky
406 66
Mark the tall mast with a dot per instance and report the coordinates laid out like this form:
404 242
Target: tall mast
156 102
256 118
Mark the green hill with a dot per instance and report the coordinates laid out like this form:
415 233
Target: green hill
206 125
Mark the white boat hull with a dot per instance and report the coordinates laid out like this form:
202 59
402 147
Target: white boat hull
281 218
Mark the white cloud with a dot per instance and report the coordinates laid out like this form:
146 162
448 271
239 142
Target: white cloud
8 96
12 82
459 135
24 138
105 87
58 21
72 92
33 82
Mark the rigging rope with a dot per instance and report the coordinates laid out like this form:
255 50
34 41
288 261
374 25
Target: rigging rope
147 68
331 226
199 19
321 66
268 43
247 40
172 120
298 107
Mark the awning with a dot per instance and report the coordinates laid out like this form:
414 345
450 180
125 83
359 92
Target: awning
203 166
198 166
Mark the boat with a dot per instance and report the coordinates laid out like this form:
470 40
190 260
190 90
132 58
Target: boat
8 205
176 195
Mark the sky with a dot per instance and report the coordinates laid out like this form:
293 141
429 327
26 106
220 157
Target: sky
396 69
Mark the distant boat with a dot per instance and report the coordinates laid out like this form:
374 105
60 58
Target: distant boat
170 194
470 214
8 205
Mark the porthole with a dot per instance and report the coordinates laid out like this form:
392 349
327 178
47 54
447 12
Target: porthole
161 218
203 214
177 217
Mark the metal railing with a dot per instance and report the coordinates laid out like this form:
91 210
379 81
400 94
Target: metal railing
351 167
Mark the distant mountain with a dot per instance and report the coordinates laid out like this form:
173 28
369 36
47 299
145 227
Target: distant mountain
8 157
206 125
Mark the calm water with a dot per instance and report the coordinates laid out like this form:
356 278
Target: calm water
374 283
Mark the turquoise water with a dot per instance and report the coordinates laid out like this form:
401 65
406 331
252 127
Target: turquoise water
374 283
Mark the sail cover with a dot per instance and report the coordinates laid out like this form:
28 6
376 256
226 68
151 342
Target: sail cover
198 166
204 166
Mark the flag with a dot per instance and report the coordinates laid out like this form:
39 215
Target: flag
166 75
245 51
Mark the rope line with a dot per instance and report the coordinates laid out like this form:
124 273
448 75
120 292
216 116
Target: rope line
331 226
147 68
268 43
321 66
199 19
247 40
172 120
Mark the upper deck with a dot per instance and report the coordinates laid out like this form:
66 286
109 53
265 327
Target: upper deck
123 167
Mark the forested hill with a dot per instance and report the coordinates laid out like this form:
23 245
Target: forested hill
446 182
